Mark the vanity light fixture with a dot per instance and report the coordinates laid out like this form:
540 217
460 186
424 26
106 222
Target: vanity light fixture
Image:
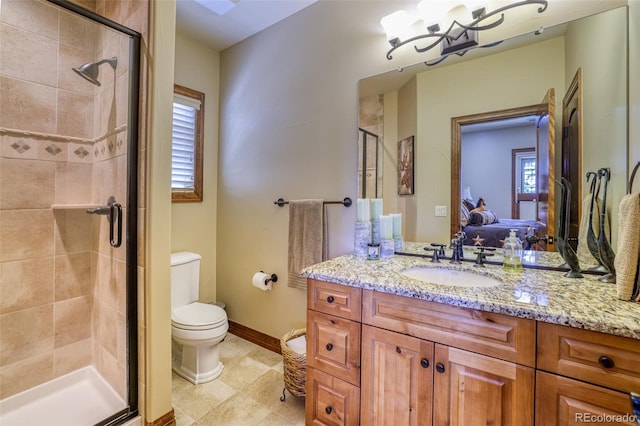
457 37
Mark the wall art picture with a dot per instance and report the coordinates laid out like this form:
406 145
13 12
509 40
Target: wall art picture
405 166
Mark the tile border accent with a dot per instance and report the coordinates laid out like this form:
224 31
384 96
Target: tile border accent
60 138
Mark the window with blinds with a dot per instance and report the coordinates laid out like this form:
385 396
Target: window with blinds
187 144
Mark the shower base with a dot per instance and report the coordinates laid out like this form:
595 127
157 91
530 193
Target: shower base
80 398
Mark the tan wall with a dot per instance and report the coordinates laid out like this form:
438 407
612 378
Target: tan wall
157 297
407 118
193 225
604 100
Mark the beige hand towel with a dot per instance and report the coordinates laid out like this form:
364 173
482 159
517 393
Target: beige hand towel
627 260
307 238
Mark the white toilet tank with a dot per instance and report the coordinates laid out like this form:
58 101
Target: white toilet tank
185 278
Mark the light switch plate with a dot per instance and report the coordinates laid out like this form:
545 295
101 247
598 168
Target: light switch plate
441 211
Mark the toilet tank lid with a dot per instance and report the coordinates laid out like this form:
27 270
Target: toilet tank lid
183 257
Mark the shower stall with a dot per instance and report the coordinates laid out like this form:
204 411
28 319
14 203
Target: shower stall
68 215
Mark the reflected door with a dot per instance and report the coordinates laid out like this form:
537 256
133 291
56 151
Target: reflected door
545 158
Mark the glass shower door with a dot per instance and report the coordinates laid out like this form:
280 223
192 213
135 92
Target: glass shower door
68 278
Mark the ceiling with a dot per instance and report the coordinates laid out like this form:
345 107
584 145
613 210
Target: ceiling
239 20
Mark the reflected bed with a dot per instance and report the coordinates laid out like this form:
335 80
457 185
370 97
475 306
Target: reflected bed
493 235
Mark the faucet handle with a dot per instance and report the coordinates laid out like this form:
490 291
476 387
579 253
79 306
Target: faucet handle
440 248
436 254
482 255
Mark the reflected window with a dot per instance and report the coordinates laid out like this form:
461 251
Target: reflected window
528 175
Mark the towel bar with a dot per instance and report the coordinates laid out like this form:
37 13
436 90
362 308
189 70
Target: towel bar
346 202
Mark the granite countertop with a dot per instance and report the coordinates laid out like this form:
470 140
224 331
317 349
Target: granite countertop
530 293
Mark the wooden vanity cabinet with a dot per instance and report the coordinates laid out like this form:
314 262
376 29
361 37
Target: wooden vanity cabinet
444 375
432 364
583 375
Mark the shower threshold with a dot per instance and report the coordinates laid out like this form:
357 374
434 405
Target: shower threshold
80 398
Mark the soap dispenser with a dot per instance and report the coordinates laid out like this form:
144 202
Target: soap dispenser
512 252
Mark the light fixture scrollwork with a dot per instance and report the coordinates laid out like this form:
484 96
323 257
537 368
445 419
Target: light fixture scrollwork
458 38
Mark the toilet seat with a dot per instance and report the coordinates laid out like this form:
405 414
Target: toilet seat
198 316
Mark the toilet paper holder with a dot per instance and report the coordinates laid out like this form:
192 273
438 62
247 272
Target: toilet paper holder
274 278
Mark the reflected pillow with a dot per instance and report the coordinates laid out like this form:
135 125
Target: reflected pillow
468 204
464 215
485 217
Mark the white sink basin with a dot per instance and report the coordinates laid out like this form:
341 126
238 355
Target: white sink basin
450 277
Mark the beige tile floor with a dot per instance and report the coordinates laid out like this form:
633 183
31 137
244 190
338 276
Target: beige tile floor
247 392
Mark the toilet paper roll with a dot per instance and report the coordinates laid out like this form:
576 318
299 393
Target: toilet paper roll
260 281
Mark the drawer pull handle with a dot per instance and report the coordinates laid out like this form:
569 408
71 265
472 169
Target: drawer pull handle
329 346
330 299
606 362
424 363
328 410
440 367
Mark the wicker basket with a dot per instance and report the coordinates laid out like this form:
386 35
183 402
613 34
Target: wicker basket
295 364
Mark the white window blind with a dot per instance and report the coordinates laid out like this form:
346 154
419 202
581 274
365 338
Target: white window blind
183 144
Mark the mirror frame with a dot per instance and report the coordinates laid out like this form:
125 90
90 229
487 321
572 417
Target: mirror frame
456 151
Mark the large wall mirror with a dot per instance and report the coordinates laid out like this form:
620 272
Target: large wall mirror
475 120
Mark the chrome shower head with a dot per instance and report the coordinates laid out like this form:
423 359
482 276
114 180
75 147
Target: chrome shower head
89 71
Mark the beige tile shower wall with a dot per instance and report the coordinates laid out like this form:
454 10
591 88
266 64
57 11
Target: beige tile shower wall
48 260
45 254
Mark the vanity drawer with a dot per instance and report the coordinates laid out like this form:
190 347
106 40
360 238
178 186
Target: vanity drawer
334 346
599 358
501 336
330 401
334 299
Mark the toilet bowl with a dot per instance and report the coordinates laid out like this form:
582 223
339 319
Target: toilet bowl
196 328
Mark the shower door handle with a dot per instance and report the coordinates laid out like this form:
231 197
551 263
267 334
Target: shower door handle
113 211
115 215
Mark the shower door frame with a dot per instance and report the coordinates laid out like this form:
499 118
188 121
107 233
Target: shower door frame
131 238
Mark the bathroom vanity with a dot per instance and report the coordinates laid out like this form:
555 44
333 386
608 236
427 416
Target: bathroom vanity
534 348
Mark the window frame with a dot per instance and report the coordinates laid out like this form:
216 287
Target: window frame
195 195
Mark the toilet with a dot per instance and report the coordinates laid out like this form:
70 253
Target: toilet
196 328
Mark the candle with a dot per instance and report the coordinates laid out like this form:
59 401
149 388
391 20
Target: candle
376 208
363 212
386 227
397 224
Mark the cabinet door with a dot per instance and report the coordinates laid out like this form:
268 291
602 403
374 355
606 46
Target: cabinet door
562 402
397 379
472 389
330 401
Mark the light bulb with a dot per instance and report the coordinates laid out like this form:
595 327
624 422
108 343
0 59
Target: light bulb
397 25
